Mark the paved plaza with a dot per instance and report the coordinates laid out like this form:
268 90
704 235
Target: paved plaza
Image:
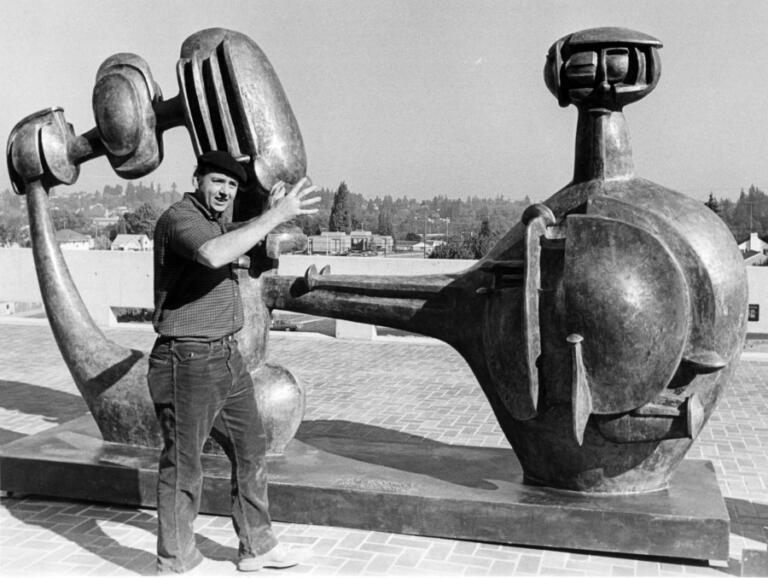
416 386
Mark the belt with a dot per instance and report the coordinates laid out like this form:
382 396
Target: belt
226 339
220 340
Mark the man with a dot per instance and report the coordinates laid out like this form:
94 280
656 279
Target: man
197 378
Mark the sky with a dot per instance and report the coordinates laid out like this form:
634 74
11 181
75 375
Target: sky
423 97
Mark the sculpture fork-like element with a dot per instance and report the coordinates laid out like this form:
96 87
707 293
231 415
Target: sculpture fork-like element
229 99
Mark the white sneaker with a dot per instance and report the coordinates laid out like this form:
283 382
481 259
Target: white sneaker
210 567
277 557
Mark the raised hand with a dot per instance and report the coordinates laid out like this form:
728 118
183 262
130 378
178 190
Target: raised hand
296 202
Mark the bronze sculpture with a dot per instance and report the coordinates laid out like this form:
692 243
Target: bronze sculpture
602 328
229 98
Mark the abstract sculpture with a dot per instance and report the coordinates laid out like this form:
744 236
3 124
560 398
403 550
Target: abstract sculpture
229 99
602 328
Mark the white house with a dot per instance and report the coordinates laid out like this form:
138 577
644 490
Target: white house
127 242
69 239
426 247
754 249
754 243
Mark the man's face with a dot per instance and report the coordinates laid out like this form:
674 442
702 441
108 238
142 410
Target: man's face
218 190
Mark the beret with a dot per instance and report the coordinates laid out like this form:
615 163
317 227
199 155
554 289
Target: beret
221 162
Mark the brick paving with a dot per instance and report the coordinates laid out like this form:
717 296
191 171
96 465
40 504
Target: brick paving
414 386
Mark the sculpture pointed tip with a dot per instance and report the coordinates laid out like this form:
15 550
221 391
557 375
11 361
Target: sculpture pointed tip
704 361
581 396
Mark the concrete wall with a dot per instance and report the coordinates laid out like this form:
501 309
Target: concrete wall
124 279
758 295
104 278
298 264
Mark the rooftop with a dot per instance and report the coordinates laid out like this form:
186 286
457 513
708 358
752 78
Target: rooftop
69 236
128 237
402 384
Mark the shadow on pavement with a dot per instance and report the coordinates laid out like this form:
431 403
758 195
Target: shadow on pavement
472 467
748 519
55 406
7 436
89 534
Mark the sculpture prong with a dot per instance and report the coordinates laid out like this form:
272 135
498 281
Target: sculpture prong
310 277
536 218
694 415
581 397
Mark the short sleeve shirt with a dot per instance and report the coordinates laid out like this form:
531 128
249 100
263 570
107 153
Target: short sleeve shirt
192 300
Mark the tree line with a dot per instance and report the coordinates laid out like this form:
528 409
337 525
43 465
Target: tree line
137 207
748 214
469 226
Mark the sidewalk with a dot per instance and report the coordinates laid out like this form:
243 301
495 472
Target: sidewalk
417 386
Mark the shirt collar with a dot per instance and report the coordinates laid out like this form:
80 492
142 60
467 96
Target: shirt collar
199 202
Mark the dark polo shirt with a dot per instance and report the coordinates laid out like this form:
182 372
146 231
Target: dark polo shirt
192 300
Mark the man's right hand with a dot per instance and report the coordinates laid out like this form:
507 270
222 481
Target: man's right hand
296 202
283 206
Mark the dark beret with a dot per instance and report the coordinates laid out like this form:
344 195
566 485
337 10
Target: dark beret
221 162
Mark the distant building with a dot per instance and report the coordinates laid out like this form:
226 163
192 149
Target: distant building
405 246
426 247
361 241
126 242
754 249
383 244
367 242
330 243
357 242
102 222
69 239
754 242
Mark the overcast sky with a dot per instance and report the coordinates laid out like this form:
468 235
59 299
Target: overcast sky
421 98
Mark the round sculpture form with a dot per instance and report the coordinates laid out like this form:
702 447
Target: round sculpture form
282 401
604 326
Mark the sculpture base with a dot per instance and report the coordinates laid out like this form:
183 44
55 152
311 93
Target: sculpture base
410 485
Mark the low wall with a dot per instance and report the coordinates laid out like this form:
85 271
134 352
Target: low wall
758 300
124 279
104 279
108 279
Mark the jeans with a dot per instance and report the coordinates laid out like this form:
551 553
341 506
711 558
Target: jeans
201 389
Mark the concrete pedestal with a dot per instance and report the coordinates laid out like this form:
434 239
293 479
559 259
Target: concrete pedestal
352 330
409 486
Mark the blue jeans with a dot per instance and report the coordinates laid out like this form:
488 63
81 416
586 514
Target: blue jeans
201 389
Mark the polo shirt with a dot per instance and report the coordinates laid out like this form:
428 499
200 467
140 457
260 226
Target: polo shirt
192 300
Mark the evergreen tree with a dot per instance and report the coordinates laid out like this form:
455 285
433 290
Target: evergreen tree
473 246
484 238
341 214
713 204
385 216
